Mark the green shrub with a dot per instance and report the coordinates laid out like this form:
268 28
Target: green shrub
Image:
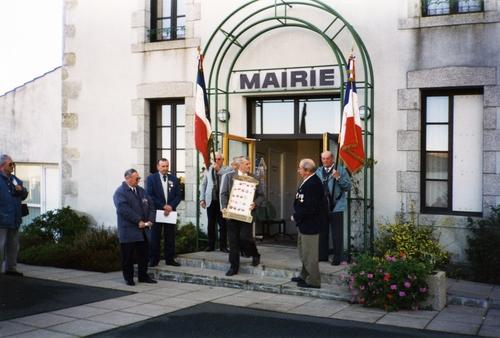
64 239
484 248
391 283
413 242
185 238
61 225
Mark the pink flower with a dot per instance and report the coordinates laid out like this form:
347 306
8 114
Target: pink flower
423 290
362 273
370 275
407 285
362 287
343 263
394 287
402 293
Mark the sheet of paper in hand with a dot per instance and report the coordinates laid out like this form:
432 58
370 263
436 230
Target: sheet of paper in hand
240 199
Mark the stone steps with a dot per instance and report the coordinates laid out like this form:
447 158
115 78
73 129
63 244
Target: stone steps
249 281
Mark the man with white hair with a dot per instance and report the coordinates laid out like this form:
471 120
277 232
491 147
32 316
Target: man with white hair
12 192
308 211
240 233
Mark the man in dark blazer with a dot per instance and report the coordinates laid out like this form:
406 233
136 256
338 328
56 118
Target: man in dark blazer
240 233
165 191
136 213
309 208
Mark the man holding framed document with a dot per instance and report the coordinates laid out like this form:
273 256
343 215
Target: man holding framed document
240 193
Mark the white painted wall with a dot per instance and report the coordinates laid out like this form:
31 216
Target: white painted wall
30 130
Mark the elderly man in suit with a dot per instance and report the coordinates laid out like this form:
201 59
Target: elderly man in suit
240 233
336 184
209 199
12 192
308 207
136 213
165 191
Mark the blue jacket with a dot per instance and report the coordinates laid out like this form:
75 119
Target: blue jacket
309 210
154 189
10 202
131 209
342 187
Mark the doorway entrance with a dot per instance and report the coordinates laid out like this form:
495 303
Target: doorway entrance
276 163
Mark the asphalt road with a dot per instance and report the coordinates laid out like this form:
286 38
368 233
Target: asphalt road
220 321
24 296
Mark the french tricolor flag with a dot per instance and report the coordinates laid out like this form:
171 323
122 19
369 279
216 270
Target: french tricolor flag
202 128
351 139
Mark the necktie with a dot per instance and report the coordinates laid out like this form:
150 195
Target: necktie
164 178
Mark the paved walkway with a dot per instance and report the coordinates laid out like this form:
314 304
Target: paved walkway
151 300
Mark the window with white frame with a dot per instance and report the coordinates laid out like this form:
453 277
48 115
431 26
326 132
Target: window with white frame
452 160
43 185
446 7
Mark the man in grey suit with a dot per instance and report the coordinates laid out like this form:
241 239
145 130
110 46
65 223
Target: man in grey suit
336 184
240 233
209 199
136 214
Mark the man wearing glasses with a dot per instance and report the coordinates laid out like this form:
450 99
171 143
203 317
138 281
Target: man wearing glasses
165 191
209 199
12 192
136 213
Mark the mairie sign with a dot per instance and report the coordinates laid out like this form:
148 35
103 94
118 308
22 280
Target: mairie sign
317 77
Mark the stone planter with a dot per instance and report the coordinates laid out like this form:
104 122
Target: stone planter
437 291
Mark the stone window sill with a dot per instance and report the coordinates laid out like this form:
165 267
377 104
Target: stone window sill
449 20
165 45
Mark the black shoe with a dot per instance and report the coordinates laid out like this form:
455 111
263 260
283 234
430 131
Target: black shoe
297 279
224 250
231 272
148 280
130 282
14 273
152 265
255 260
172 263
208 249
303 284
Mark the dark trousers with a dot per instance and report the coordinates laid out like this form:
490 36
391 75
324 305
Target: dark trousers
168 243
240 238
334 227
127 249
214 216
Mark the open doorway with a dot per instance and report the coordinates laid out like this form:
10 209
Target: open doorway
276 164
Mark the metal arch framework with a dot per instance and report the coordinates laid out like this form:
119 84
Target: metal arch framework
360 206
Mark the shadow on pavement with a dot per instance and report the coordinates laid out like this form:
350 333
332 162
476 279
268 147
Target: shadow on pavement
23 296
221 321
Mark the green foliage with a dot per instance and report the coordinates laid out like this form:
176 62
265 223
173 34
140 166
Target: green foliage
64 239
57 226
413 242
484 249
185 238
391 283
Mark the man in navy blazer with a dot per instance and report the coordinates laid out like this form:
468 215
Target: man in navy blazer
165 191
136 213
309 210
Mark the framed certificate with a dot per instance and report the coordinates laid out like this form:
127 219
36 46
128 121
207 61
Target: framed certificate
241 198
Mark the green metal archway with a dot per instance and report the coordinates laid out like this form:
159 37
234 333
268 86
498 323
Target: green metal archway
257 17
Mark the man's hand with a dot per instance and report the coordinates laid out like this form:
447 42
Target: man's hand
19 188
167 209
203 204
252 206
336 174
142 225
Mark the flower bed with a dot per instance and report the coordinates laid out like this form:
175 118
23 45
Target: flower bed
391 283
